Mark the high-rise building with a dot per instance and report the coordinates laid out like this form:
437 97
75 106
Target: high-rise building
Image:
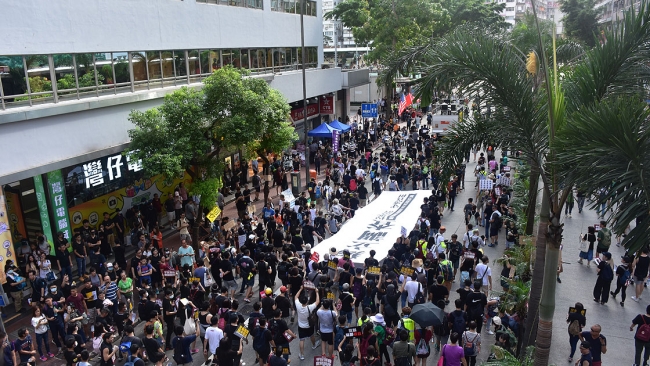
611 11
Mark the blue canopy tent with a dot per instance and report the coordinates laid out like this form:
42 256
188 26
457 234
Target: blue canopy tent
324 130
340 126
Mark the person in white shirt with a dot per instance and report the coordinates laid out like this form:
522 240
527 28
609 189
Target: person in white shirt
440 245
484 273
474 237
411 287
213 336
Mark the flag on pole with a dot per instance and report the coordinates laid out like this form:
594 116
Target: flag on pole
404 102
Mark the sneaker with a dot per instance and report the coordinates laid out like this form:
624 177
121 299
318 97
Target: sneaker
247 300
490 332
43 358
622 304
50 354
316 344
491 245
301 356
195 350
559 280
634 298
613 294
570 359
580 260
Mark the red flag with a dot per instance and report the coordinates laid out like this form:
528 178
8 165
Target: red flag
404 102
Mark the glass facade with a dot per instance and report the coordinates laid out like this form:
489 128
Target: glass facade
37 79
251 4
294 7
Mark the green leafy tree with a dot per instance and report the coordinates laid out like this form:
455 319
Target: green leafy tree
192 128
387 25
580 20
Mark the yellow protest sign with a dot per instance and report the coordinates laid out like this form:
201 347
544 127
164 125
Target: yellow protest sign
214 213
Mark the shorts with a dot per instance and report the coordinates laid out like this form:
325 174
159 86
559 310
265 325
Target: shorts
230 285
171 216
327 338
248 282
258 189
637 279
92 313
264 355
494 231
187 237
304 333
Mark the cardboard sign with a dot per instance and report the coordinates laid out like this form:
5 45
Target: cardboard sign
353 332
213 214
506 168
346 256
308 285
573 310
229 225
289 338
485 184
403 231
323 361
331 265
407 271
242 332
330 296
374 270
597 227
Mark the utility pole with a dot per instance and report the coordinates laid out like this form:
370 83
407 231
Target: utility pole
304 86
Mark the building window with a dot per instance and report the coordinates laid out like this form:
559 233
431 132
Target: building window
510 9
89 75
294 7
253 4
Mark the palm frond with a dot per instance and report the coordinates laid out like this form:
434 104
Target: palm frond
610 141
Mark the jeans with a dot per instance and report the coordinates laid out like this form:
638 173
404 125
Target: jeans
425 183
404 296
452 201
487 228
66 271
81 266
638 348
568 208
573 341
348 315
581 203
46 341
601 210
57 330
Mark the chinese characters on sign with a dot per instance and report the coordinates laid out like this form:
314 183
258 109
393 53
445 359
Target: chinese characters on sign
336 137
96 171
323 361
353 332
59 203
407 271
374 270
41 201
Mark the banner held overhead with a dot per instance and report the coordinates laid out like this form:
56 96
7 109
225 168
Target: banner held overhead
376 226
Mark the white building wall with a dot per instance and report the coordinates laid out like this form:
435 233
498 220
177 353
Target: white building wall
78 26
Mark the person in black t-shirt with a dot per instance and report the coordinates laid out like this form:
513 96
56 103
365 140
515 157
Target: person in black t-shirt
169 313
438 291
571 317
475 304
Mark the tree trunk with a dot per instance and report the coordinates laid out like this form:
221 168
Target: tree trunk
547 303
537 280
265 162
532 199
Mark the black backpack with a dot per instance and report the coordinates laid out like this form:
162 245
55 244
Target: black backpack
283 269
179 355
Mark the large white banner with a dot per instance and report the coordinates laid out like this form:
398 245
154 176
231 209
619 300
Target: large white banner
376 226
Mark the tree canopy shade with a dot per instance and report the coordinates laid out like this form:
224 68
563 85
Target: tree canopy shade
581 20
192 128
389 25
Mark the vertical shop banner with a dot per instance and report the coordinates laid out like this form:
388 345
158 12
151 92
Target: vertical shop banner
56 189
336 136
6 252
41 200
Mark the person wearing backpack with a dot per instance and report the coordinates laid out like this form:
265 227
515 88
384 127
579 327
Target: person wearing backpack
576 322
604 238
641 337
368 341
181 344
262 339
135 359
422 349
622 278
457 319
385 336
496 222
446 270
404 351
471 342
605 277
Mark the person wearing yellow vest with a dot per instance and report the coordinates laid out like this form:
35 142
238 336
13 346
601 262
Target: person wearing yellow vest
447 270
407 323
365 317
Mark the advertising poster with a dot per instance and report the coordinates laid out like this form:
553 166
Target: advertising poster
138 192
59 204
6 252
15 212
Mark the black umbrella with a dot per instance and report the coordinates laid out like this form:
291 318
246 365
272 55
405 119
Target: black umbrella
427 314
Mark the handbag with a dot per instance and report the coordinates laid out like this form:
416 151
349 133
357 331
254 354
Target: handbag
50 276
583 244
207 279
190 327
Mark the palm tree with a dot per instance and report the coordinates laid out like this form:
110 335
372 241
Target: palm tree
530 115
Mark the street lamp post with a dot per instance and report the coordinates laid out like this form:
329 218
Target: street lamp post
303 3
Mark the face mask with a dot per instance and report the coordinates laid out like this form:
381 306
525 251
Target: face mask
53 289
